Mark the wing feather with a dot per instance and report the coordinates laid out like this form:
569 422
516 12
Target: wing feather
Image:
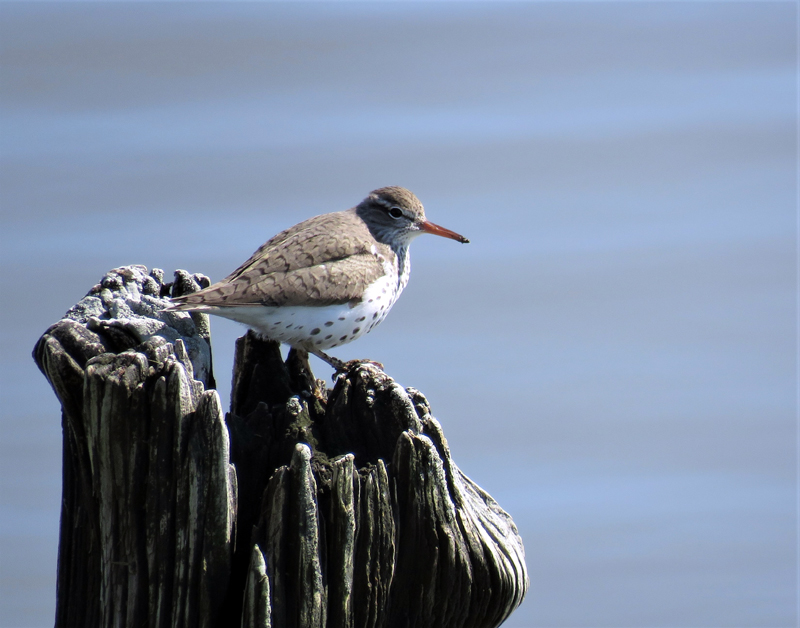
330 259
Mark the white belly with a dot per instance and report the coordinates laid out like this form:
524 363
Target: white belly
318 328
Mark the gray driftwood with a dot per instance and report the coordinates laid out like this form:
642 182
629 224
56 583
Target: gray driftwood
305 507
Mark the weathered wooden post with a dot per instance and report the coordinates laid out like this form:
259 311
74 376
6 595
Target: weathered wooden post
305 508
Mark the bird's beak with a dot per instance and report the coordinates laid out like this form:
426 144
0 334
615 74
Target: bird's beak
429 227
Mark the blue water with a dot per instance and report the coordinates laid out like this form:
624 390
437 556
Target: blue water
613 357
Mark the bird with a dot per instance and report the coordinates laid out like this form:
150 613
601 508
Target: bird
327 280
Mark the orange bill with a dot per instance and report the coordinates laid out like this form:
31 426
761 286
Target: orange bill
429 227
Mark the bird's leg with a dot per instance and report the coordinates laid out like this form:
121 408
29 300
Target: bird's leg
340 365
336 363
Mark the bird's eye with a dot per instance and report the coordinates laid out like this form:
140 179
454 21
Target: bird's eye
395 212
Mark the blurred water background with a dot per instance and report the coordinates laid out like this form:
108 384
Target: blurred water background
613 357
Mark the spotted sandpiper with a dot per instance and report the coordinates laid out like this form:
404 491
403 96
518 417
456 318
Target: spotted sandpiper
329 279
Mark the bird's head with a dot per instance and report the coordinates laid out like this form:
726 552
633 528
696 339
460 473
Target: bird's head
395 216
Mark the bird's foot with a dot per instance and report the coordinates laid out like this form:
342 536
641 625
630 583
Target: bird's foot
346 367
